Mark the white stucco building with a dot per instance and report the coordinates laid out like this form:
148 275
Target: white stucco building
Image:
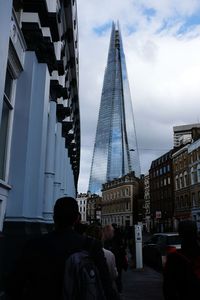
39 109
82 204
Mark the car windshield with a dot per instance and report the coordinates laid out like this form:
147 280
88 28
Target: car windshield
173 240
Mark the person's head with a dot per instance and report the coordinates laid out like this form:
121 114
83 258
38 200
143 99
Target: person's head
65 212
188 231
108 232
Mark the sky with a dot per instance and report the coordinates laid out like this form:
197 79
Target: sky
161 40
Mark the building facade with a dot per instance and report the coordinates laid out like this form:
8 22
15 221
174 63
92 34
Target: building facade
94 204
82 205
184 133
181 173
120 200
147 211
194 168
39 111
186 165
115 149
162 193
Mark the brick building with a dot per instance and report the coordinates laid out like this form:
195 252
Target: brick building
162 193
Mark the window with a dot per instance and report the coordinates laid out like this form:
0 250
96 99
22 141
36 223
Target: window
4 126
193 175
177 202
169 180
185 178
198 153
157 185
193 200
181 201
181 181
127 205
198 173
194 155
186 201
177 182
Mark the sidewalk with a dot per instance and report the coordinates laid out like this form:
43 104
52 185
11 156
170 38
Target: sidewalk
143 284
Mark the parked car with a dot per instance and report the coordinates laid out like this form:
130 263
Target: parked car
156 249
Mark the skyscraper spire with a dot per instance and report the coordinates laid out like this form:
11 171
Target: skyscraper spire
115 149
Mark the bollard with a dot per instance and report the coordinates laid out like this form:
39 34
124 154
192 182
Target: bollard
138 246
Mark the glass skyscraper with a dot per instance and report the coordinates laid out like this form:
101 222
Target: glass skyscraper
115 150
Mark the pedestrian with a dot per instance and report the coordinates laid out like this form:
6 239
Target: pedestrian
79 226
39 273
181 279
130 244
113 241
95 231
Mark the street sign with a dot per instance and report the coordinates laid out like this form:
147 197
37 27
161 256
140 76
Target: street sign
158 215
138 246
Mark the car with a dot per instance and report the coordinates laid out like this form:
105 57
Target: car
156 249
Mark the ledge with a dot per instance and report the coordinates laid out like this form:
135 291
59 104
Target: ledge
62 112
60 66
68 35
54 26
68 139
66 126
42 46
55 89
39 6
3 184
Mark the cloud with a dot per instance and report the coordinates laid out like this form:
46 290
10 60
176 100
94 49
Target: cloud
162 44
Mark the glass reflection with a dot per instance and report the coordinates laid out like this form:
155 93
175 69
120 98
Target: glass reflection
115 134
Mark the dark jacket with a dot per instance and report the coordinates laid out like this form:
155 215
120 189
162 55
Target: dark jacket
39 273
179 280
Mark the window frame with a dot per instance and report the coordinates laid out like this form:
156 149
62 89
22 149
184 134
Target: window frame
10 103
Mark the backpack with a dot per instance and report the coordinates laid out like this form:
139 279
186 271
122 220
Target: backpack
81 278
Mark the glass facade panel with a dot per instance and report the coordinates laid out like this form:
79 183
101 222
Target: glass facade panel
115 150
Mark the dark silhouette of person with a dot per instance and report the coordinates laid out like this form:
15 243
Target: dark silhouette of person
39 273
179 279
79 226
130 244
115 243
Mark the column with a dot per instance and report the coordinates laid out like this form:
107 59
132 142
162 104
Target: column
28 148
57 182
62 169
50 164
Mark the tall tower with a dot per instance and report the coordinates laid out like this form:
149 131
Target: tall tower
115 149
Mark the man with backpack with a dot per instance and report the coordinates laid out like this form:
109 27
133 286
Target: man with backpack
182 269
43 270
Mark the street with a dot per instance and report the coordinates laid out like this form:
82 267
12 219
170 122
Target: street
143 284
